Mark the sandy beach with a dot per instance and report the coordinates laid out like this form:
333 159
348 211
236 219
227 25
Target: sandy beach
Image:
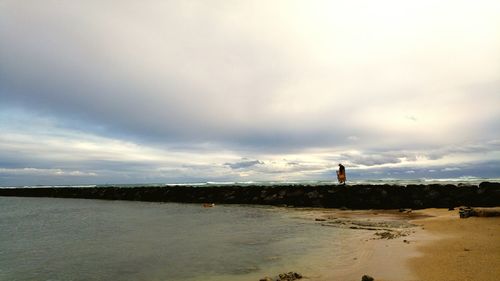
421 245
385 241
457 249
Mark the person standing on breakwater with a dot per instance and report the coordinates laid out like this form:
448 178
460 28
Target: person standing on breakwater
341 174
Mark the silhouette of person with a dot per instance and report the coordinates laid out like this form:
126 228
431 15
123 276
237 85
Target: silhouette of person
341 174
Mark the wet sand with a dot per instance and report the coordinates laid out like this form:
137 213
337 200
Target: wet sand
380 256
428 245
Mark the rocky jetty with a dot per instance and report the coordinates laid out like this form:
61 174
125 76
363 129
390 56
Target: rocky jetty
485 194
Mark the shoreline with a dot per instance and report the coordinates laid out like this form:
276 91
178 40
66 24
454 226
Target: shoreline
382 257
440 246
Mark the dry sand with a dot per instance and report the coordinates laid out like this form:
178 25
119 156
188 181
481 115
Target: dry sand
441 247
458 249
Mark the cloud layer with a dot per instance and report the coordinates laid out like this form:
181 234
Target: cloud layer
178 91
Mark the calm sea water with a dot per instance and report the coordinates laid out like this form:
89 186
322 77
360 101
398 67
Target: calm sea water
78 239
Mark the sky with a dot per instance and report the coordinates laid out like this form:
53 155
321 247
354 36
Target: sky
147 91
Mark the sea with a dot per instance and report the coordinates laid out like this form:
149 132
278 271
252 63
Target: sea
392 181
83 239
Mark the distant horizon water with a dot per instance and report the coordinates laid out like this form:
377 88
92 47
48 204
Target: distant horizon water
458 180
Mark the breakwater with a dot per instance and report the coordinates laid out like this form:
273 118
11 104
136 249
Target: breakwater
485 194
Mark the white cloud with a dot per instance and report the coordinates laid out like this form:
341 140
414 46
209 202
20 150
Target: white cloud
45 172
218 70
448 169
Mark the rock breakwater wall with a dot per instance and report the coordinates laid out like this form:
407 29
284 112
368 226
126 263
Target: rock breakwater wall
328 196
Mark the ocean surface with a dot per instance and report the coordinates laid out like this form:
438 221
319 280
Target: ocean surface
459 180
79 239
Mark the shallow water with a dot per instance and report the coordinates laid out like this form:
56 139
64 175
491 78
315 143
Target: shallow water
78 239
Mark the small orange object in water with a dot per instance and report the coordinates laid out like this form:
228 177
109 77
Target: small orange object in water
208 205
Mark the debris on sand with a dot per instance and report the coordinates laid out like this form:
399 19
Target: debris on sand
367 278
384 228
390 234
466 212
290 276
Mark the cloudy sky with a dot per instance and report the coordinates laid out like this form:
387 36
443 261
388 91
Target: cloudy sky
187 91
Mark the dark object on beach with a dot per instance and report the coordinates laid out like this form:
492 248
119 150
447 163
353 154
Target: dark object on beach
318 219
486 212
388 235
466 212
367 278
290 276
